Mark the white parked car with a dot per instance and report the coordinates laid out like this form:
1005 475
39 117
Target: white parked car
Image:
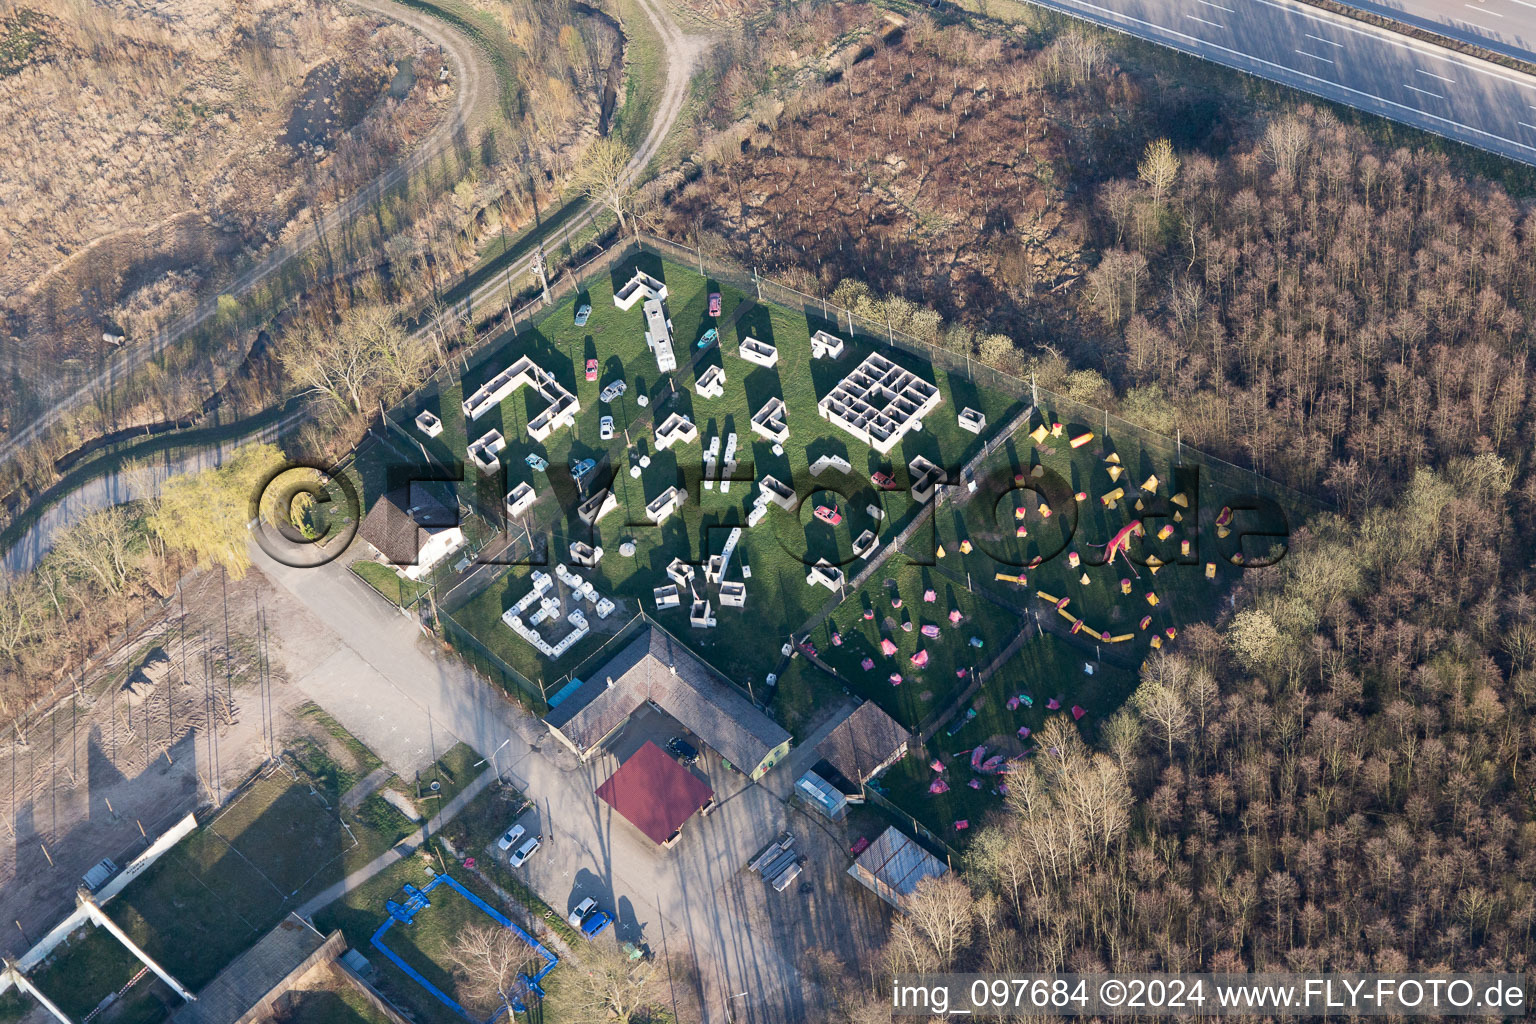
580 913
612 391
605 427
510 836
524 852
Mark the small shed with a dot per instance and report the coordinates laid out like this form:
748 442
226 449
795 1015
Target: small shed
893 865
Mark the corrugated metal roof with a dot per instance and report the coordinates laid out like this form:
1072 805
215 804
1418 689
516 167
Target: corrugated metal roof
896 863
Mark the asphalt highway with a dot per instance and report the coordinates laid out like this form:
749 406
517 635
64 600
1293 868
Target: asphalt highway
1506 26
1336 57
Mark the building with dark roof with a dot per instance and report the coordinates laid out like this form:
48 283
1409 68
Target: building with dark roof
414 528
864 744
655 793
656 668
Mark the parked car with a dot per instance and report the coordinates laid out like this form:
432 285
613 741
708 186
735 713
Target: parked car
579 915
579 470
510 837
605 427
612 391
829 514
519 858
708 338
591 369
593 926
684 751
536 462
582 312
714 303
883 480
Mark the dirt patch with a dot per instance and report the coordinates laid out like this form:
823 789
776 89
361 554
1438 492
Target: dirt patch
85 779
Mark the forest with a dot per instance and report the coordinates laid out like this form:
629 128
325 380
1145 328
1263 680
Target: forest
1337 773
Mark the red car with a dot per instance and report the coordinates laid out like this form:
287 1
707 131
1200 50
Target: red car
591 369
883 481
714 303
828 514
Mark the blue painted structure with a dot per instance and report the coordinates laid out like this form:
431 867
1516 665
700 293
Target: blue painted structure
416 901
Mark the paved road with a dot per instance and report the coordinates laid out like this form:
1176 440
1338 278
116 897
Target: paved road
1336 57
381 680
1505 26
474 104
121 486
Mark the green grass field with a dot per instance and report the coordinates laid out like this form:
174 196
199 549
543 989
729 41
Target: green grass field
922 691
230 881
423 944
394 588
745 644
1044 668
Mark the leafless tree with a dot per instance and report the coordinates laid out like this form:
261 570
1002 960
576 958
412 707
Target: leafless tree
487 962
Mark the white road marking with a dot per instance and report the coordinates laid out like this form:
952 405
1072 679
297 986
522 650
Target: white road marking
1218 6
1527 124
1112 16
1388 38
1523 3
1474 7
1431 74
1202 21
1320 39
1426 92
1314 56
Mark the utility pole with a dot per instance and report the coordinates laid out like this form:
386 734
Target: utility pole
540 266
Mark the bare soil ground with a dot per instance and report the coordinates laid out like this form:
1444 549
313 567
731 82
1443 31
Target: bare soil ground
83 781
163 136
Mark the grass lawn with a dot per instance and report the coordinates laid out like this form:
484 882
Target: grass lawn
91 968
233 879
454 770
745 645
395 588
922 691
339 1004
1045 668
423 944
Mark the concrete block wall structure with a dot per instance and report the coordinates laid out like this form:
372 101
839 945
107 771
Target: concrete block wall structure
879 402
772 421
560 410
485 451
826 346
520 499
428 423
760 352
779 493
638 288
826 574
676 428
658 509
711 383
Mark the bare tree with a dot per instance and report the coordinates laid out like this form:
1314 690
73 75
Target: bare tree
488 961
367 354
1159 168
99 548
603 984
605 177
943 908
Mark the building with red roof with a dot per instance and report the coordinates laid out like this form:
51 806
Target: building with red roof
655 793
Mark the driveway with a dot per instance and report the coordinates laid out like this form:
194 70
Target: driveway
385 682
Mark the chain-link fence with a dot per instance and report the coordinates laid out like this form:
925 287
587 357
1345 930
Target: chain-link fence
399 421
